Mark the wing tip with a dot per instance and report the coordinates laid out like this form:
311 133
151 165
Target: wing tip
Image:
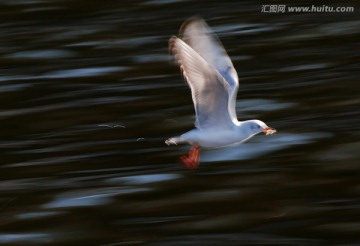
172 42
189 21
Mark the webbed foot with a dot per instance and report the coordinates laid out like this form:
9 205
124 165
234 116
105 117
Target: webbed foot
191 161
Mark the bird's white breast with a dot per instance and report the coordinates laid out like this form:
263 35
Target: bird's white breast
213 137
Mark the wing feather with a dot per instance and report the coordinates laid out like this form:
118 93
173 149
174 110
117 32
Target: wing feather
210 91
197 34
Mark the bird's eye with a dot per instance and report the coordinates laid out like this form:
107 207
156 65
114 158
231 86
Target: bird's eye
255 126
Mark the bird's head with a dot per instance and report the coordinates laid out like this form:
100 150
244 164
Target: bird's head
257 126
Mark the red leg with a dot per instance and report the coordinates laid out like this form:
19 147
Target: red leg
191 161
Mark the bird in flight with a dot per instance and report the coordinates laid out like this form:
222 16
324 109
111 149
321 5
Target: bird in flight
214 83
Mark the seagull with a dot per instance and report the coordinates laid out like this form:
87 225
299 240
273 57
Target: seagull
214 83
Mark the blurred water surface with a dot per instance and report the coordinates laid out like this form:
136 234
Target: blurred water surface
88 95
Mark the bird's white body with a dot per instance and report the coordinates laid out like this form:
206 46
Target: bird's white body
215 137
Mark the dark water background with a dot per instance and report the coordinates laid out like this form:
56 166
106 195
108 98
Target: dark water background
88 96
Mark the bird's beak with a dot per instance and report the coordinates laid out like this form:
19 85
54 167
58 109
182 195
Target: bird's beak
268 130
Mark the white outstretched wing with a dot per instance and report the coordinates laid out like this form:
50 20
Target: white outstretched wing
210 91
196 33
